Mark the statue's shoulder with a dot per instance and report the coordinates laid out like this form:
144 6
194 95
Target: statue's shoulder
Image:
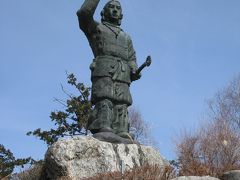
127 36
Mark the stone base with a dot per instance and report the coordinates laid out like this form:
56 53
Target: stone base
195 178
85 156
231 175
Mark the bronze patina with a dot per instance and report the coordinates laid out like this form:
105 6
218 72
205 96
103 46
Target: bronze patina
113 68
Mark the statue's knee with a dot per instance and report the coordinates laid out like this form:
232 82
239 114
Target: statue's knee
105 105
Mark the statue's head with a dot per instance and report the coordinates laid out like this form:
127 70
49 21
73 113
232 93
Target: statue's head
112 12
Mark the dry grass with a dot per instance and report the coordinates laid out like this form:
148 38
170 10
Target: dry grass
141 173
34 173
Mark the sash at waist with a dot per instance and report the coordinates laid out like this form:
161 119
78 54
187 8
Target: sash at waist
111 66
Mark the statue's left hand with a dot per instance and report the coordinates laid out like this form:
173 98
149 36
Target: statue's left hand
135 76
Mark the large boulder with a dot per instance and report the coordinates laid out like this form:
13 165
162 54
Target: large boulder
195 178
231 175
85 156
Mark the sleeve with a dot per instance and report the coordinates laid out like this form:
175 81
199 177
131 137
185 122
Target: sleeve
132 56
85 15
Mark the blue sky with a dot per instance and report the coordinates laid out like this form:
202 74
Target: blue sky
194 44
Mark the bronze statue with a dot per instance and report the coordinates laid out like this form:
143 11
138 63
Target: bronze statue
113 68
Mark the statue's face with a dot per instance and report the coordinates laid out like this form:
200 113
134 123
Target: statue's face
113 12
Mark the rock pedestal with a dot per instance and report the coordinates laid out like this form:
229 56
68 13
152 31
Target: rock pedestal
231 175
195 178
85 156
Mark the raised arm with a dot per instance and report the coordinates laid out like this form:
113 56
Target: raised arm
85 14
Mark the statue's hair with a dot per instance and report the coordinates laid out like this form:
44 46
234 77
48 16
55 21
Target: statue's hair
105 7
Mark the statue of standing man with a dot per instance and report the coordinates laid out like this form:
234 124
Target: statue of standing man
113 68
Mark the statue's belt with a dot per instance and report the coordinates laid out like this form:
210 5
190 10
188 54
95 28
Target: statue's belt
109 57
116 65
